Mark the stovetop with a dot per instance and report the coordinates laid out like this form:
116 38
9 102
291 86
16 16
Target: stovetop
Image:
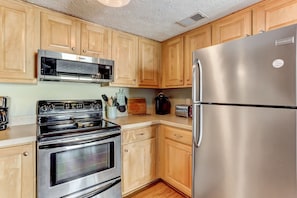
63 118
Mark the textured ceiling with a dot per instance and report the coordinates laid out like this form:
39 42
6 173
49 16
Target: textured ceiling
154 19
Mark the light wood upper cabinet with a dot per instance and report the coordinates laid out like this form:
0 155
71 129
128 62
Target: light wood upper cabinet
95 41
125 55
63 33
17 171
195 39
273 14
172 63
139 158
149 63
232 27
60 33
18 41
175 156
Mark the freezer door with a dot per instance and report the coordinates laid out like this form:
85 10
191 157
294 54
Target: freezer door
260 69
245 152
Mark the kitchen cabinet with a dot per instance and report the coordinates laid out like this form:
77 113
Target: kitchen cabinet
195 39
95 41
175 147
149 63
234 26
273 14
139 158
18 41
63 33
172 62
60 33
17 171
125 55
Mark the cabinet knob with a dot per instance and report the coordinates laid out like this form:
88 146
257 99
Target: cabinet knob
261 31
25 153
84 51
73 48
247 35
126 150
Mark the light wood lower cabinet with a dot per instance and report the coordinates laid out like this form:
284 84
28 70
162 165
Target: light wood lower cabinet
139 158
17 171
175 147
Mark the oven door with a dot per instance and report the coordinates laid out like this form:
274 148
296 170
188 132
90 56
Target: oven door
73 165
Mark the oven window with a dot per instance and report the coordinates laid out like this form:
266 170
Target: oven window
72 164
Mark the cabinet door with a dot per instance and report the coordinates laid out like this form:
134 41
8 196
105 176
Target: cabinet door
17 171
125 55
149 63
60 33
139 167
194 39
273 14
232 27
95 41
178 165
18 42
172 62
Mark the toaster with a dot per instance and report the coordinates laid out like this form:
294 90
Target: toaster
183 110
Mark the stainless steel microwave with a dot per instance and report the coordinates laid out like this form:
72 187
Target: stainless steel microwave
56 66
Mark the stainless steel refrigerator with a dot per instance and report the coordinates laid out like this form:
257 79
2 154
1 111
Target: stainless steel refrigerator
244 117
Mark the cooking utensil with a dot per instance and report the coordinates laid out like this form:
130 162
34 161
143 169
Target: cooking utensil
104 97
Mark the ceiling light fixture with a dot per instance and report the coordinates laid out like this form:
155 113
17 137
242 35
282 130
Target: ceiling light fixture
114 3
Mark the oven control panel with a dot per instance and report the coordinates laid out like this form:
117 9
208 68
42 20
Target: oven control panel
51 106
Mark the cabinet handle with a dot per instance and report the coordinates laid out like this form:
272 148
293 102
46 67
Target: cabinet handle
247 35
84 51
140 134
126 150
25 153
73 48
178 136
261 31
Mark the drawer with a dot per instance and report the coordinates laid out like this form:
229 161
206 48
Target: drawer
135 135
179 135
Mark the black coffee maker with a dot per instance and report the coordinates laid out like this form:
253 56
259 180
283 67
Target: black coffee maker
162 104
3 113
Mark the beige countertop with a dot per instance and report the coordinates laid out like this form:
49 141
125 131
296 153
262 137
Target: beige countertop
15 135
134 121
23 134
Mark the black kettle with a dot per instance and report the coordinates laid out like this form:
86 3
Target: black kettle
162 104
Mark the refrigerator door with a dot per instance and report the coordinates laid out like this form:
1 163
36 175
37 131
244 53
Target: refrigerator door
257 70
245 152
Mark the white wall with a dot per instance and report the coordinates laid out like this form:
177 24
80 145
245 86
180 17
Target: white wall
23 98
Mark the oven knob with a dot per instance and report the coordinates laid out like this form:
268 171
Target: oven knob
43 108
51 107
95 106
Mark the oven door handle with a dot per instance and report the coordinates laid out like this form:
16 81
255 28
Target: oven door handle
79 142
94 192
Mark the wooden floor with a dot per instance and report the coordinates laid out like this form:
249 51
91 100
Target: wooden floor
158 190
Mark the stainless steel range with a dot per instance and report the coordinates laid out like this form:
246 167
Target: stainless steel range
78 152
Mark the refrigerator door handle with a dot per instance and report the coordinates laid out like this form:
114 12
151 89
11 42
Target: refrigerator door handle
197 134
197 78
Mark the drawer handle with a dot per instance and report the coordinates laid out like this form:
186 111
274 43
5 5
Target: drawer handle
25 153
140 134
178 136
